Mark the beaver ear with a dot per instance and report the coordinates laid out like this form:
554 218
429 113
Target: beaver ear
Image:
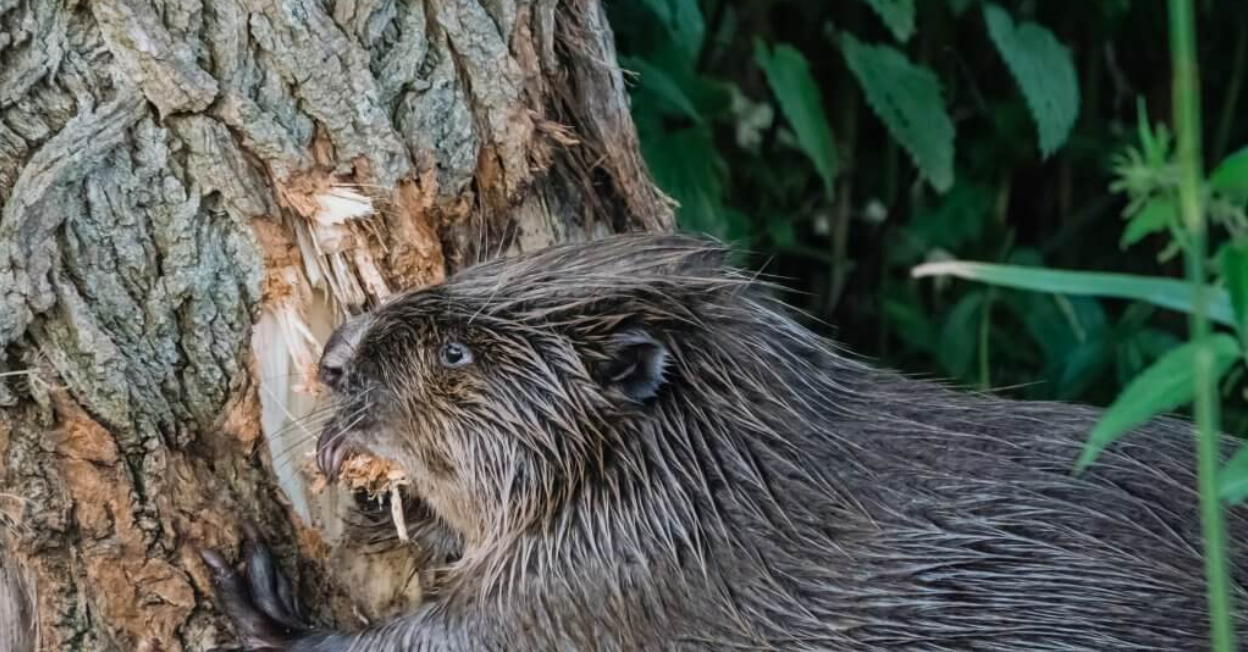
635 365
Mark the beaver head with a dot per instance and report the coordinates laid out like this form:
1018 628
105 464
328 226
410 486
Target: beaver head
506 390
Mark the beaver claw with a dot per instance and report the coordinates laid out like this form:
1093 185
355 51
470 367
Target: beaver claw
259 600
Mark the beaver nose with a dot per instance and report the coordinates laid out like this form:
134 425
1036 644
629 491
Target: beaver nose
339 351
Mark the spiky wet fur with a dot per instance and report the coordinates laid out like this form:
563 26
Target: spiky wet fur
775 495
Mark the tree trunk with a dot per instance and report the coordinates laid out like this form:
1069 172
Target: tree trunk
193 194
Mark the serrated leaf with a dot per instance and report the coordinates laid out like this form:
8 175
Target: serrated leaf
898 16
788 75
1233 479
1167 384
907 100
1156 216
1044 70
1231 176
1164 292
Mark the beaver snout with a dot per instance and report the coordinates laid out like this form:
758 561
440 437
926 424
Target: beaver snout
339 351
334 371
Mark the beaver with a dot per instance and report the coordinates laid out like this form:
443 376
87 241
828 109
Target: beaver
628 444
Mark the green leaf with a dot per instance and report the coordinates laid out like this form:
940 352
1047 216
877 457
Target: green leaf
687 166
684 24
1233 479
1059 324
1163 387
1137 350
656 81
782 233
1231 176
898 15
958 336
788 75
1085 364
911 324
907 100
662 10
954 219
1156 216
1233 261
959 6
1043 68
1163 292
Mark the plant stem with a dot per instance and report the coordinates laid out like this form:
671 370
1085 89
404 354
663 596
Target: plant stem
842 214
1191 174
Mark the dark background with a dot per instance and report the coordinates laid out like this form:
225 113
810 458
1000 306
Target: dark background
720 137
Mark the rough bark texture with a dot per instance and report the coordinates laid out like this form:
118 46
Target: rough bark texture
193 193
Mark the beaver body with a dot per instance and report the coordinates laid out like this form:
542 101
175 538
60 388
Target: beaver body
632 448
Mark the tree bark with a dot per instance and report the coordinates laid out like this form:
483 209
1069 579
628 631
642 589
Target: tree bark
193 194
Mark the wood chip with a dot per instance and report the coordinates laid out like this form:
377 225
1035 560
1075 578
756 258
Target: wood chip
375 476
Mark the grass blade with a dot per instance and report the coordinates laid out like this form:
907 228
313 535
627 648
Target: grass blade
1162 292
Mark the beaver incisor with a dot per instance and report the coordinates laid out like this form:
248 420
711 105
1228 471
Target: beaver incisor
630 447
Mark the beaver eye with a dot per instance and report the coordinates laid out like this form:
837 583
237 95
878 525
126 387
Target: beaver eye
455 355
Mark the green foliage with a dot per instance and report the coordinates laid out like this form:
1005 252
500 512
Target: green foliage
907 100
1230 178
788 74
1233 485
686 164
1163 292
683 21
958 333
959 6
1044 71
1146 174
819 135
1233 265
1156 216
665 87
898 15
1165 386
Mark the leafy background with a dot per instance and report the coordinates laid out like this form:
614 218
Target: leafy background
847 142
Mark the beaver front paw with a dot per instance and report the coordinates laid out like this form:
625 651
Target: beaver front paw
259 599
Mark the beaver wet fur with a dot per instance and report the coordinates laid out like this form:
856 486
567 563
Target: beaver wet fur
627 445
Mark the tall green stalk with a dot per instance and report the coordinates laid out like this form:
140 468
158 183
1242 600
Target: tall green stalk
1191 187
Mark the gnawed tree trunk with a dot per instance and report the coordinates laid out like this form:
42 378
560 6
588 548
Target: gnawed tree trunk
193 194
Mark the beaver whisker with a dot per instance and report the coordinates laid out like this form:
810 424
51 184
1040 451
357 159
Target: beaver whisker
307 426
331 451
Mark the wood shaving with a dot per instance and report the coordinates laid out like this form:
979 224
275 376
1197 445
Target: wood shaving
375 476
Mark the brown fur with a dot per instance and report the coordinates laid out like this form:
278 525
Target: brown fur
647 454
